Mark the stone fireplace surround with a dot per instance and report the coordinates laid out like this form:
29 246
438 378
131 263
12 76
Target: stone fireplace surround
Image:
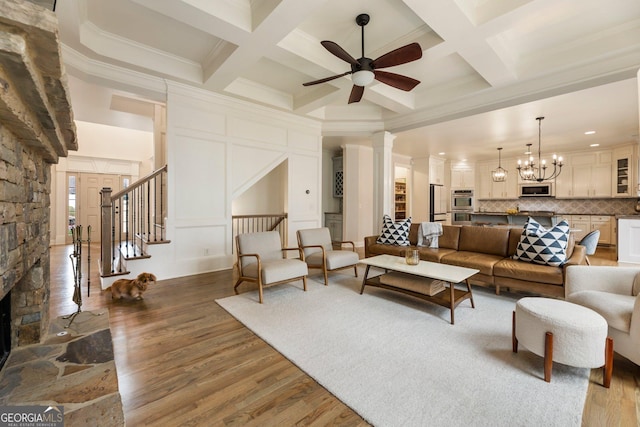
36 128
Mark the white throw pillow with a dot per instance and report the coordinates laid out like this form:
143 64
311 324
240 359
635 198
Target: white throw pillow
541 246
394 233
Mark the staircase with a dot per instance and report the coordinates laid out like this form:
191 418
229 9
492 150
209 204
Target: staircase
133 227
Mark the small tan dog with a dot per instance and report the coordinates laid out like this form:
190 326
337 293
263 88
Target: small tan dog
132 288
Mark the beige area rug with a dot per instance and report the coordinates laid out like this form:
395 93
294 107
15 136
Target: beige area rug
397 361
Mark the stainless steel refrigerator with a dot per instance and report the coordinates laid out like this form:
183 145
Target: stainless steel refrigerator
437 203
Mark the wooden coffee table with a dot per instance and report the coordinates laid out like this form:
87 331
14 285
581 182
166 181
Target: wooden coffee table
426 270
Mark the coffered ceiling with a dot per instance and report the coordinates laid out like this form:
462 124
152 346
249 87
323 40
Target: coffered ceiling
489 67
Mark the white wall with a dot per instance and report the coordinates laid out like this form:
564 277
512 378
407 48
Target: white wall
267 196
217 150
358 194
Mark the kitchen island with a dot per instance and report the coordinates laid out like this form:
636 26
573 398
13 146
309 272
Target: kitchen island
628 238
545 218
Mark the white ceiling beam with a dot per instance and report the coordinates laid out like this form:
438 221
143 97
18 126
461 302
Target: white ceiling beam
281 21
460 35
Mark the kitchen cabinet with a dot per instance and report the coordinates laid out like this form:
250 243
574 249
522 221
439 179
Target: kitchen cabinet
581 224
605 225
333 221
462 177
591 175
628 238
587 223
488 189
436 170
624 172
338 177
400 199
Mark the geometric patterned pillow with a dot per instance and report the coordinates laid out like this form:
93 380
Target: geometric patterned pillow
541 246
394 233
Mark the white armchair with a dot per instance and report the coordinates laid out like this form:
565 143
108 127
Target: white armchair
261 259
613 293
319 253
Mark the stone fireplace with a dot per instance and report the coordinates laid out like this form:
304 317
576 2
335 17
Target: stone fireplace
36 128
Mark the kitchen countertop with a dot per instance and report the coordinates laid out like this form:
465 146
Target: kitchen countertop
523 213
636 216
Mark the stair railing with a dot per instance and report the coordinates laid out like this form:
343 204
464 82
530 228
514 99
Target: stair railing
255 223
131 217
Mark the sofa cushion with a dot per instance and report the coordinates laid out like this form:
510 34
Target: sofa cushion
381 249
519 270
615 308
478 260
486 240
434 254
394 233
543 246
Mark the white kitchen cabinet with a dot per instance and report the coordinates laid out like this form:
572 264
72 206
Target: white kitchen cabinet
486 188
581 224
584 224
462 177
591 175
436 170
624 172
629 240
602 223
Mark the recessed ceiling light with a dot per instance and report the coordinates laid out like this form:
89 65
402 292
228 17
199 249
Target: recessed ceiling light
594 145
442 153
590 132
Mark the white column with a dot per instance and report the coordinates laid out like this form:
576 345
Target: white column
382 176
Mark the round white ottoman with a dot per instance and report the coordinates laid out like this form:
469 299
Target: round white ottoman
563 332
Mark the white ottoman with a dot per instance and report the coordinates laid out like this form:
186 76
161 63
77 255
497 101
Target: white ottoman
563 332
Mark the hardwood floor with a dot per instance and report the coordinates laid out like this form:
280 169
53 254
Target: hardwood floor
182 360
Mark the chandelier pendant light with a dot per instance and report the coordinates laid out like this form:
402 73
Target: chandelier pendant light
499 174
537 171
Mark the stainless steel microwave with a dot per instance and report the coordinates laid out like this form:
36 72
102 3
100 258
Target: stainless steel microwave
539 189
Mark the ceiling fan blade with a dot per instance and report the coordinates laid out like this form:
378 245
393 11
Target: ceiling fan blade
356 94
396 80
401 55
326 79
339 52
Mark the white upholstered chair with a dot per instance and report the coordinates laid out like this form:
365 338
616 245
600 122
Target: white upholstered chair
261 259
613 293
319 253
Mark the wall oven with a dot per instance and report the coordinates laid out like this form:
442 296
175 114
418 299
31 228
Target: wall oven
462 200
461 217
461 207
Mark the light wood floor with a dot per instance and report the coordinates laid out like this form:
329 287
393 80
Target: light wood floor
182 360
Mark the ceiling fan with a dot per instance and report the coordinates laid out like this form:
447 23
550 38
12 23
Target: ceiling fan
365 70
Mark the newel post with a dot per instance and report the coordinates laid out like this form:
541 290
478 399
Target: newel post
106 245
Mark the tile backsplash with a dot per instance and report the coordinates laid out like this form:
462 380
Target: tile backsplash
562 206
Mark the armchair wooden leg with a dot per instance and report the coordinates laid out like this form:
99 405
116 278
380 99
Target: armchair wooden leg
260 290
355 269
326 278
235 288
304 283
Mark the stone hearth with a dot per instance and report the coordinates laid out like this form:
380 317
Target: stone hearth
76 370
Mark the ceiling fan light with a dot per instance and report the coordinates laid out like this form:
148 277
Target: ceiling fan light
362 77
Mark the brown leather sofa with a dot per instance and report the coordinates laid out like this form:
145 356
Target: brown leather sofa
490 250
